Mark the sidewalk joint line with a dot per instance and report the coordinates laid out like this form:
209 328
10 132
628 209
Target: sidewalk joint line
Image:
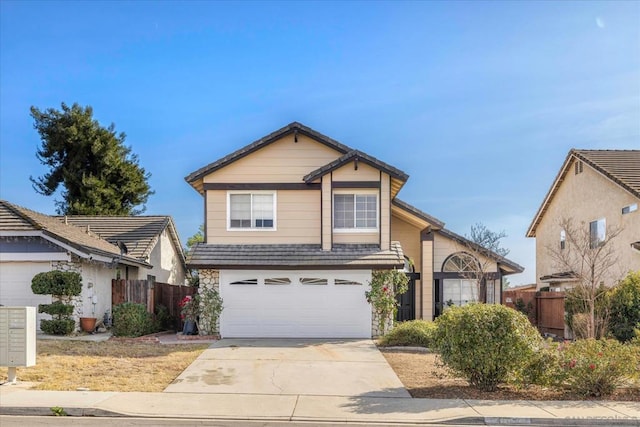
534 403
295 406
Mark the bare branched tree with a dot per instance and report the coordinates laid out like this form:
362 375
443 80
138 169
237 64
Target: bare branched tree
588 257
484 246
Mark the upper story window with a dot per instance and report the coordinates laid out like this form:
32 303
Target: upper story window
251 211
578 167
563 239
597 232
631 208
355 211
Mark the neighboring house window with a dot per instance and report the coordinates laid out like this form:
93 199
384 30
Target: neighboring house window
563 239
631 208
251 211
578 167
355 211
597 232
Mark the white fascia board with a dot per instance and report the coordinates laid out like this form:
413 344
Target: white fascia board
17 233
34 256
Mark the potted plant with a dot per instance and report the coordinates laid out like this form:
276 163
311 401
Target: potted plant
189 311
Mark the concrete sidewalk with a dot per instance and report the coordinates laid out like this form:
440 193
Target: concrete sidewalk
16 400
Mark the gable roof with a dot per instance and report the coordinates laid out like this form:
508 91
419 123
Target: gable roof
620 166
139 233
516 268
15 218
295 128
356 155
294 256
435 222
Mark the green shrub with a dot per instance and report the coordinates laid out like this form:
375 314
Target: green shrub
131 320
625 307
57 326
412 333
596 367
485 344
164 319
57 308
542 368
58 283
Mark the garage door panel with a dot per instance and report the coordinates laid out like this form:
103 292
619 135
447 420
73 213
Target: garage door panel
295 309
15 286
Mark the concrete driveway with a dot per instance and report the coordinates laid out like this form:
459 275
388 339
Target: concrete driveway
291 367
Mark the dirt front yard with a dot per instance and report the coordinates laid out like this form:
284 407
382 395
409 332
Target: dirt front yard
107 365
421 375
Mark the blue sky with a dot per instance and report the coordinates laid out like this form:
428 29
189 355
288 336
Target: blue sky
479 102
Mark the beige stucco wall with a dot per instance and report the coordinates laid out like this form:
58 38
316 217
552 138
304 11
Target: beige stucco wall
348 172
297 220
166 262
586 197
281 161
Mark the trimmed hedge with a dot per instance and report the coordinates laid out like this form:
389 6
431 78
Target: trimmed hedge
485 343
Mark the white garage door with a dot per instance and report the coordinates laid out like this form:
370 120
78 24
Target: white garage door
15 285
299 304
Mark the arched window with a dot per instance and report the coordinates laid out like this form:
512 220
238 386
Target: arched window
460 262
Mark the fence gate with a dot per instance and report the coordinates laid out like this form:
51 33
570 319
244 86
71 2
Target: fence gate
137 291
550 313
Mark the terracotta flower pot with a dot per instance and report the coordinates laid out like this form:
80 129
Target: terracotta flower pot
88 324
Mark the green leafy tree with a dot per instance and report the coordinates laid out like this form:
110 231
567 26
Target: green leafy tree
196 238
99 173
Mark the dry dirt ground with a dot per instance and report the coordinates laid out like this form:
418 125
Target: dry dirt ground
423 378
107 365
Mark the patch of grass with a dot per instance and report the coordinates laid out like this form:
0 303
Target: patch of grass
108 365
416 333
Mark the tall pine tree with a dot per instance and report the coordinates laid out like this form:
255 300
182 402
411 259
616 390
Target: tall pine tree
99 173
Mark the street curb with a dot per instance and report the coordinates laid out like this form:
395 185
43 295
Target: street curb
488 421
566 422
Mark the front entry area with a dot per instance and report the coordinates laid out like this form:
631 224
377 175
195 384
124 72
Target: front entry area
295 304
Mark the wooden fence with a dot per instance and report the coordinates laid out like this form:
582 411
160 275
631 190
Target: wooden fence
151 294
545 310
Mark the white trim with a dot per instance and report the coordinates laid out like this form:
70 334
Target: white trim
356 192
275 210
34 256
15 233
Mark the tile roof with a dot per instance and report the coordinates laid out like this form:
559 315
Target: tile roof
139 233
356 155
620 166
490 254
15 218
291 128
294 256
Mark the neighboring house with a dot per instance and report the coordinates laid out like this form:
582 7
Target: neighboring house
31 243
598 190
153 239
296 222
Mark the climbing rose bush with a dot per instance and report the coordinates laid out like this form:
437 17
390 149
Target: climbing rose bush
385 285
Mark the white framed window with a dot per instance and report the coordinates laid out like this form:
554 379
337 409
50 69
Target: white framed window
251 210
597 232
355 211
630 208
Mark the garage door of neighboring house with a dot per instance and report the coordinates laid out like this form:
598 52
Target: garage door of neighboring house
15 285
295 304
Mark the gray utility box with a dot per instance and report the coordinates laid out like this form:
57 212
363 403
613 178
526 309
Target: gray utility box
17 336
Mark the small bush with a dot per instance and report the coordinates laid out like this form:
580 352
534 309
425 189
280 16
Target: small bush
625 307
577 310
596 368
485 344
543 367
412 333
131 320
57 326
164 320
57 308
